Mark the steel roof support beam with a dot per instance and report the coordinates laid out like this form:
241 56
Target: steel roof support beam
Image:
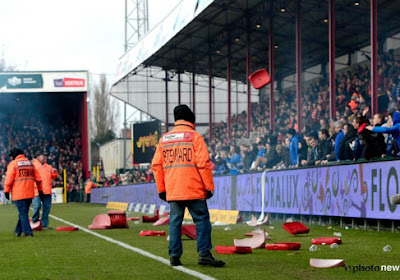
374 56
179 87
228 78
194 85
166 101
248 72
332 55
271 68
210 91
298 65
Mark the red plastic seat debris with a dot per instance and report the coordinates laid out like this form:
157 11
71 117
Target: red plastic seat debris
118 219
67 229
162 221
152 233
326 240
36 226
165 214
147 219
132 218
232 250
283 246
101 221
189 231
326 263
260 78
295 228
257 241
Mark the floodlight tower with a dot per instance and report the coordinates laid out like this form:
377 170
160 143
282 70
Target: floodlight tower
136 21
136 26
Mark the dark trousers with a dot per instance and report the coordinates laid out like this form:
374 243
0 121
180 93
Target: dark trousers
201 217
23 218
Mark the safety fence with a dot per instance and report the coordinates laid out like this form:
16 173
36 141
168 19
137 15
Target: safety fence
360 190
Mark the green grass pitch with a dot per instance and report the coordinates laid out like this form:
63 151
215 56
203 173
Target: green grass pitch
79 255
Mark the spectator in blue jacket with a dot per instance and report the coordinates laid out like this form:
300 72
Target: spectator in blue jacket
293 147
339 137
236 161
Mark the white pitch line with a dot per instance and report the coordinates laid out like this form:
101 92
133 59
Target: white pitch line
139 251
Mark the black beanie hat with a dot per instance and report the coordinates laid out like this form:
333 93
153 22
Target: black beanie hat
15 152
183 112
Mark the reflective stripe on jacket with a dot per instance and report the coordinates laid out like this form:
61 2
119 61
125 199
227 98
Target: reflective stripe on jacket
47 173
181 164
21 177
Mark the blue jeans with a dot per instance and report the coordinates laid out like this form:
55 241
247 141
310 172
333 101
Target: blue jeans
199 211
37 204
46 209
23 216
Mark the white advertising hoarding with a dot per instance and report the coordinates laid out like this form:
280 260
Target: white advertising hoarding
69 81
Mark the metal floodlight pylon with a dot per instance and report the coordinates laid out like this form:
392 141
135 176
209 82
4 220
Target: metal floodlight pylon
136 21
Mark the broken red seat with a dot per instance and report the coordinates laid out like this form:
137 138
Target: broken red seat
118 218
283 246
147 219
162 221
326 240
232 250
165 214
257 241
152 233
67 229
102 221
189 231
295 228
260 78
37 226
326 263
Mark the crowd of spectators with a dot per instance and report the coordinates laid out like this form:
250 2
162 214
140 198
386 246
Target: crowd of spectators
322 140
347 137
34 126
131 176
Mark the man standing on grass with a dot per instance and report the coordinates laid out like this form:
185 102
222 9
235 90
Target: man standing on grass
20 180
182 171
47 173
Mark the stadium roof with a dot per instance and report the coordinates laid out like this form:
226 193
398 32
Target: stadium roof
230 20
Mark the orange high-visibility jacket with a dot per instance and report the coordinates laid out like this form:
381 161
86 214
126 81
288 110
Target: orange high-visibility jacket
21 177
181 164
47 173
88 187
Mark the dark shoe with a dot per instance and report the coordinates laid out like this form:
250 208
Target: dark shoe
210 260
28 235
17 234
44 228
175 261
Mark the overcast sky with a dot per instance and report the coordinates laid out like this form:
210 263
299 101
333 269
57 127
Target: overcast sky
68 35
56 35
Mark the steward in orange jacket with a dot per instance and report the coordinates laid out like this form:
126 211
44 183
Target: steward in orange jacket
88 189
182 170
20 181
181 164
21 177
47 173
